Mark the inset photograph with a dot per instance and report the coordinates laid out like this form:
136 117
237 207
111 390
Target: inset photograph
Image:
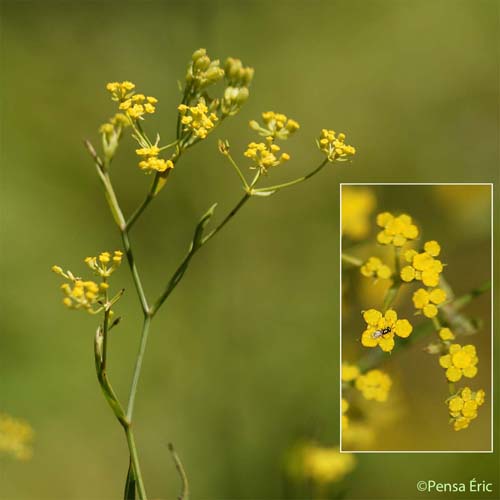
416 317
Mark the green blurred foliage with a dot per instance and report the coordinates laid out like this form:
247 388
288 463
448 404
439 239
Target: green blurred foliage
244 358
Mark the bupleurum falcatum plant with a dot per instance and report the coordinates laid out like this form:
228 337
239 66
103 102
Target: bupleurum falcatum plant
412 261
199 114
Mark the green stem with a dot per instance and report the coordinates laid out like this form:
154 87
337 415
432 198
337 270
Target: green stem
391 294
135 462
237 169
182 473
181 269
139 210
349 259
296 181
138 367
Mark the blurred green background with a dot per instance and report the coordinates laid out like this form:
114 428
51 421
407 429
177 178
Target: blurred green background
244 359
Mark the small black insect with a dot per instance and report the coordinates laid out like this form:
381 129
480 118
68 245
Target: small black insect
380 333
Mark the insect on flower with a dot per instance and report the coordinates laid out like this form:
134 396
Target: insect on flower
380 333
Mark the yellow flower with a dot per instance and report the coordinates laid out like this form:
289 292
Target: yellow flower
446 334
396 230
428 301
265 156
100 263
357 205
15 437
334 147
345 418
151 162
381 329
423 266
349 372
374 267
374 384
196 119
276 125
134 105
325 465
460 361
463 407
87 294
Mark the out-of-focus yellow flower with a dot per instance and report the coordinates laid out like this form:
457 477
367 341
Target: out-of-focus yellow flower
463 407
349 372
446 334
460 361
197 119
374 267
276 125
427 301
265 156
345 418
16 437
357 205
333 145
423 266
382 327
115 124
326 465
396 230
374 384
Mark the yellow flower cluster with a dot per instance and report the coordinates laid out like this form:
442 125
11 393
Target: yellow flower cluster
374 384
15 437
276 125
325 465
463 407
423 266
381 328
374 267
460 361
357 205
334 147
105 263
349 372
427 301
115 124
138 105
396 230
87 294
265 155
150 161
196 119
134 105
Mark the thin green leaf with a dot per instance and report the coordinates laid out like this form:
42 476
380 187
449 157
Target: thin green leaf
129 493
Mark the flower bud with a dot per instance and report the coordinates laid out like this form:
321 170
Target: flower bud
198 53
202 63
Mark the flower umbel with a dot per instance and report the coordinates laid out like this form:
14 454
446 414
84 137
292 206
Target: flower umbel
396 230
333 145
427 301
375 268
276 125
196 119
423 266
460 361
463 407
374 384
150 161
382 327
265 156
15 437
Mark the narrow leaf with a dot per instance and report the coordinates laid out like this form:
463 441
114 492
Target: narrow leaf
200 228
130 484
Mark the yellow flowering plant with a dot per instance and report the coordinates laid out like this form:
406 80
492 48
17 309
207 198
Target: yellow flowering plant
200 112
411 263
